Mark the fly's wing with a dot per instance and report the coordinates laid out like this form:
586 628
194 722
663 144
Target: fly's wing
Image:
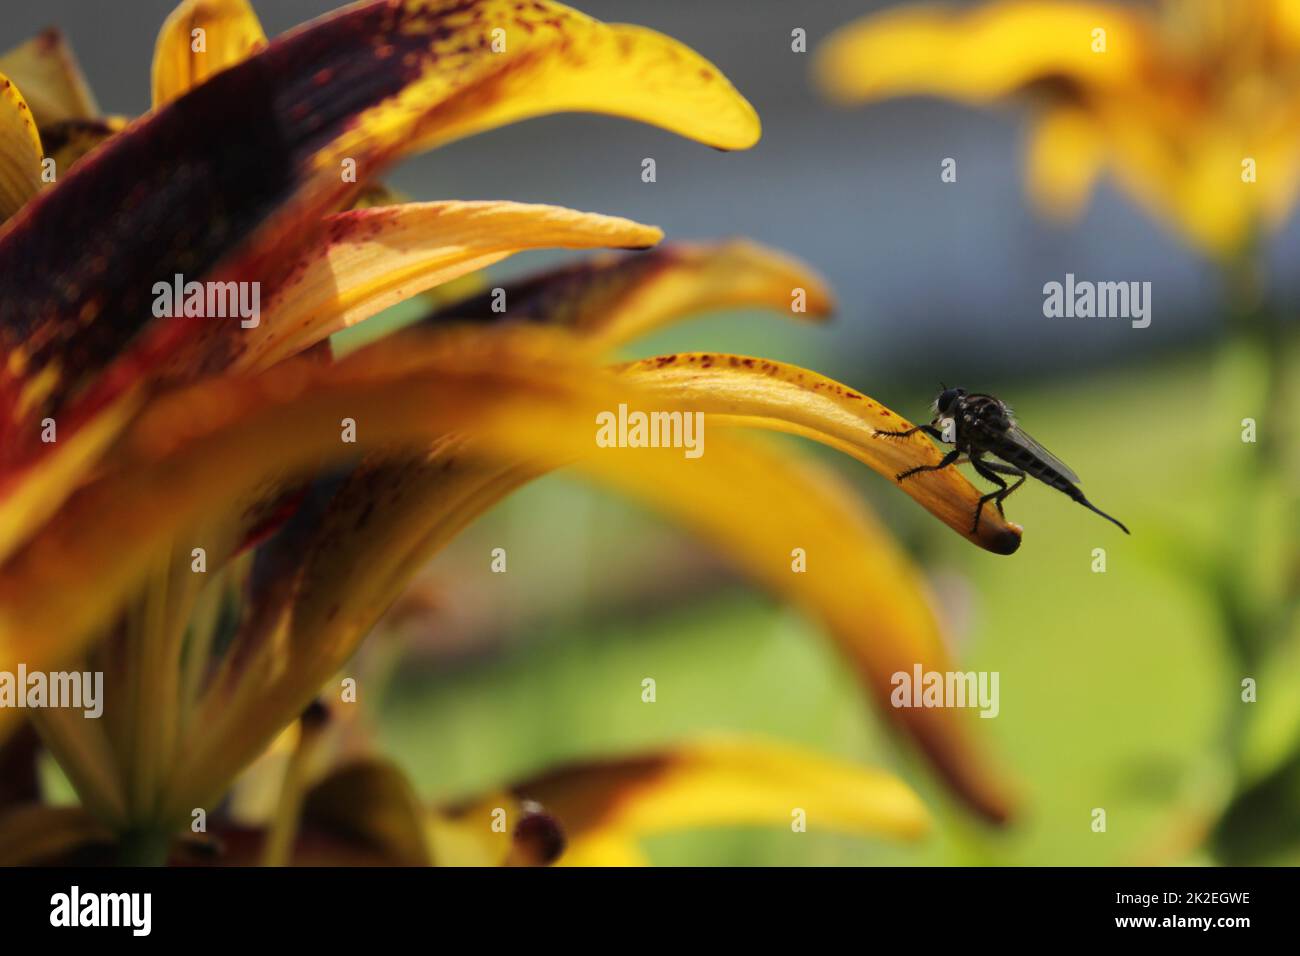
1026 441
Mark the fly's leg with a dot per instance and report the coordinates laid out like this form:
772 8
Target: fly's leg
908 433
948 459
990 471
1002 469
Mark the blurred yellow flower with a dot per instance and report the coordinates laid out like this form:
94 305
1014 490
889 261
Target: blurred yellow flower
1192 106
601 810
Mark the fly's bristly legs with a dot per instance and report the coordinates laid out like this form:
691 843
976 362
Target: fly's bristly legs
991 471
948 459
909 432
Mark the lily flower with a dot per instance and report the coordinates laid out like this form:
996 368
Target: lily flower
1192 106
215 514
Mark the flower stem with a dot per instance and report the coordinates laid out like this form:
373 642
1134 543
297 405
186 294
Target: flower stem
1254 632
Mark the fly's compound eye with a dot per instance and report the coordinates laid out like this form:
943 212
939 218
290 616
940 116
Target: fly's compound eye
948 398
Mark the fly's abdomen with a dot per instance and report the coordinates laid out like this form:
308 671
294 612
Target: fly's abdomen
1032 465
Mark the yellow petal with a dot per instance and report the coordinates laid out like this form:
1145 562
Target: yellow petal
30 497
493 62
983 53
763 393
464 835
1279 184
380 527
1283 18
496 829
720 781
1181 164
612 300
253 799
20 151
1210 205
67 141
606 806
1184 170
370 803
201 38
603 848
376 257
1065 158
45 69
382 194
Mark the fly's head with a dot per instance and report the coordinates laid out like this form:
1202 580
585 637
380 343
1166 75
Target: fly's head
947 411
948 402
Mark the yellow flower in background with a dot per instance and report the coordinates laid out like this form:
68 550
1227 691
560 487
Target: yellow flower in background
1192 106
608 808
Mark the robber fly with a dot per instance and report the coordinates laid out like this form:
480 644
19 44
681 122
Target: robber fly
979 425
